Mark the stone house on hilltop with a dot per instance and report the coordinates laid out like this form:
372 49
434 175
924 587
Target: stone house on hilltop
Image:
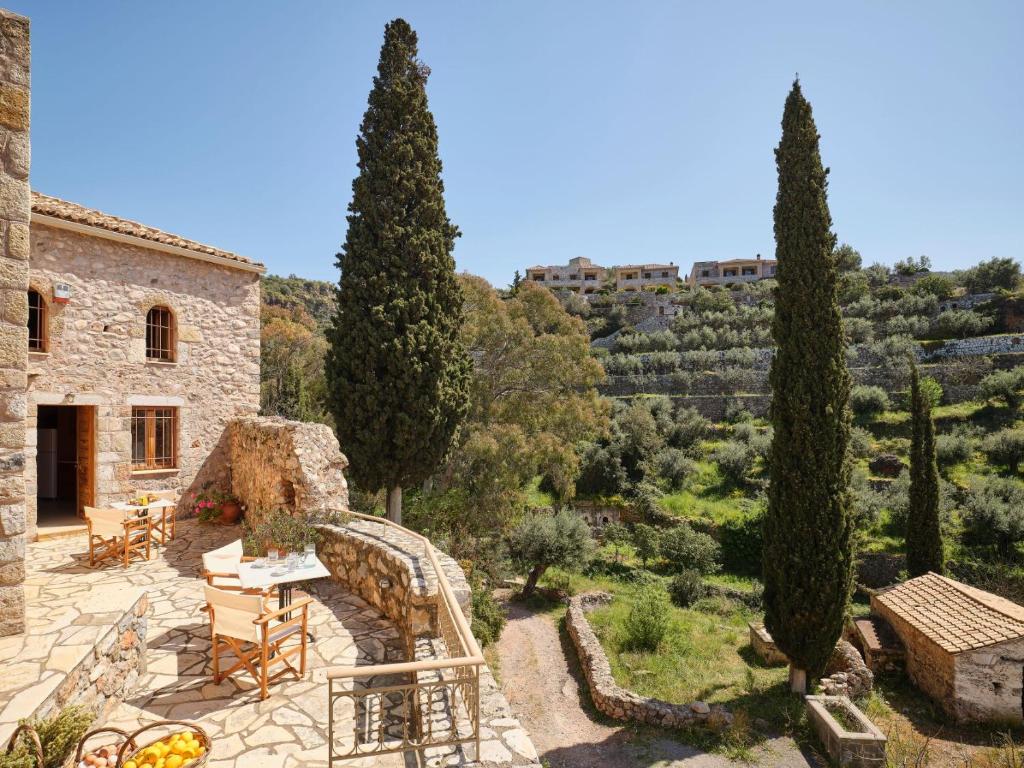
142 346
964 647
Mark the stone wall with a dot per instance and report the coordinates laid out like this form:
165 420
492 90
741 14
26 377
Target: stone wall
612 699
15 207
982 345
291 465
929 667
96 354
110 671
989 684
388 569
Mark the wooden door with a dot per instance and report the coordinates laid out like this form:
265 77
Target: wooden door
86 456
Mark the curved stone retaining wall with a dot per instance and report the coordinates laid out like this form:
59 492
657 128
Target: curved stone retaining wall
388 569
614 700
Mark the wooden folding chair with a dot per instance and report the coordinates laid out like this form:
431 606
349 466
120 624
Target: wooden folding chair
220 569
112 535
244 627
164 518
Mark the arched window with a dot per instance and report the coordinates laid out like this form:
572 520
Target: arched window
160 334
37 341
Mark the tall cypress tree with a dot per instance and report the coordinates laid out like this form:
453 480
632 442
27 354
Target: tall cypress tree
924 534
398 374
807 552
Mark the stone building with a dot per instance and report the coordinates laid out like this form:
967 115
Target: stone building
644 277
964 647
580 275
142 346
731 271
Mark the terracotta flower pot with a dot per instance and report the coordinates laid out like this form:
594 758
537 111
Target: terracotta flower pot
230 512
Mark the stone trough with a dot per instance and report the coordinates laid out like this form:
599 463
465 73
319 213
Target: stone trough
849 738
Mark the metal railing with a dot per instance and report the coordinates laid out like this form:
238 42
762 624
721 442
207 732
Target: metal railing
412 705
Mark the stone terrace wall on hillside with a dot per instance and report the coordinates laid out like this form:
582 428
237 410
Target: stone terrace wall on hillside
15 207
982 345
290 465
612 699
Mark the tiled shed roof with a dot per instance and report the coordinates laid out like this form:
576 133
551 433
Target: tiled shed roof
79 214
955 616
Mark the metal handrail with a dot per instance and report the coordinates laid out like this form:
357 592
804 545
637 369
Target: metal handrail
471 650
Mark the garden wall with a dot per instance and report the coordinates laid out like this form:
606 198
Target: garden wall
612 699
387 568
290 465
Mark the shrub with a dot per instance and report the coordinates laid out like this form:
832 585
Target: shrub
601 471
686 588
860 443
742 541
687 549
939 286
858 330
488 615
959 324
543 540
646 541
994 515
992 274
931 390
688 427
673 466
954 448
1004 385
736 411
735 460
289 533
744 432
648 620
1005 447
867 401
59 735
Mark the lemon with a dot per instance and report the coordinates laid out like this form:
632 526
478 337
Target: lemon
174 761
130 764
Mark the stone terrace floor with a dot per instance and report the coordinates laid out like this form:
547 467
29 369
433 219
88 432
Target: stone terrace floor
288 729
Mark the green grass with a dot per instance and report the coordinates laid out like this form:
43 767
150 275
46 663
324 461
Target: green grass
535 497
705 497
706 656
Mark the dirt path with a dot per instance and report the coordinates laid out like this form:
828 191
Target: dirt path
545 695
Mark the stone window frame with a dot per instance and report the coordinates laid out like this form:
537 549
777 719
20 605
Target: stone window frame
40 344
165 351
163 458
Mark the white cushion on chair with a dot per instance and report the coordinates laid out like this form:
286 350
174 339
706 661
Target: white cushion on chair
234 614
223 560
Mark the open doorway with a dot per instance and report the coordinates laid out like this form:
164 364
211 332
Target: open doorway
64 464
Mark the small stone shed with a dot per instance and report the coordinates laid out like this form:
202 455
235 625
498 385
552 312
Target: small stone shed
964 646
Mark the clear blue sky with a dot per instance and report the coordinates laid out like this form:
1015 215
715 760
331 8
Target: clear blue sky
622 131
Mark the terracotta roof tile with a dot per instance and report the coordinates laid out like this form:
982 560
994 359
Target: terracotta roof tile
955 616
79 214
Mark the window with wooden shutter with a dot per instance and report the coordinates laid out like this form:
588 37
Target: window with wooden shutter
154 438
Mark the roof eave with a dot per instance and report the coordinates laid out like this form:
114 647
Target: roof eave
141 242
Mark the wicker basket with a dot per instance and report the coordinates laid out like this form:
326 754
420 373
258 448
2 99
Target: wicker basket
33 737
122 738
127 752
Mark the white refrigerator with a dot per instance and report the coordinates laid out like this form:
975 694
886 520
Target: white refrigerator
46 464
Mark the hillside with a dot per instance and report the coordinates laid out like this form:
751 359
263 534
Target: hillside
315 296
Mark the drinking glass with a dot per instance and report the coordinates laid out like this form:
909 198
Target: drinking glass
309 554
293 561
272 557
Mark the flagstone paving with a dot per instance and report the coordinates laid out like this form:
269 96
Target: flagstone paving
288 729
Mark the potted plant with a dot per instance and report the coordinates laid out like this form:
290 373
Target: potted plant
212 505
